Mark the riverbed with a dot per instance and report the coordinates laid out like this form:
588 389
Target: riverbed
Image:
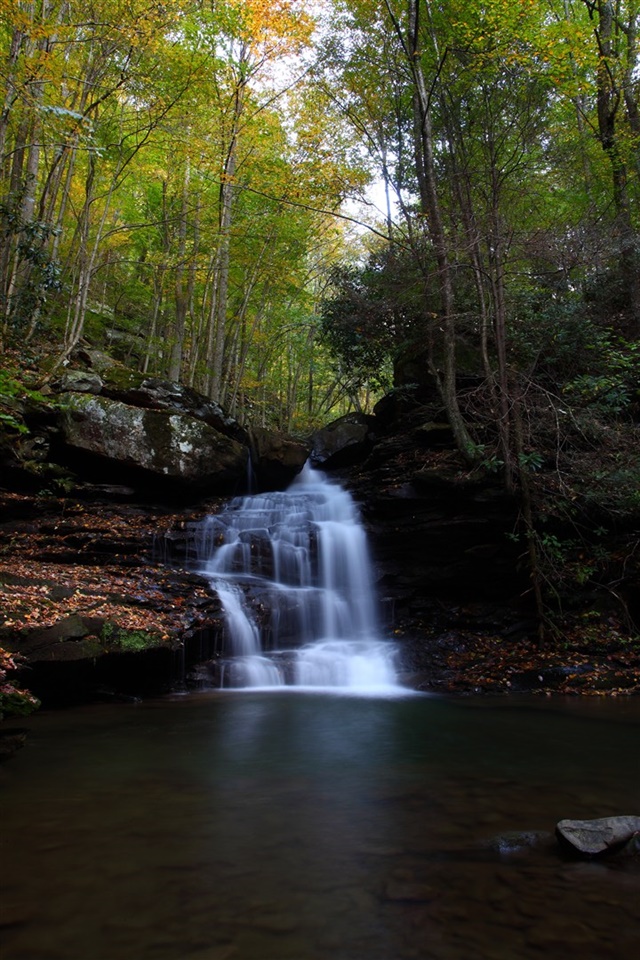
287 825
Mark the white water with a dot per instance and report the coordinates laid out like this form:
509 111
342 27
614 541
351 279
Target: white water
298 562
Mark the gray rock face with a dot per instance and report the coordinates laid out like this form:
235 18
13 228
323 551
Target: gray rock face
162 443
116 382
344 442
277 458
79 381
167 429
159 394
591 838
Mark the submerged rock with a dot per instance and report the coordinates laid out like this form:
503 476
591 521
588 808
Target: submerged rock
592 838
516 841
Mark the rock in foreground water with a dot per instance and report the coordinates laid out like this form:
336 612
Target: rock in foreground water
592 838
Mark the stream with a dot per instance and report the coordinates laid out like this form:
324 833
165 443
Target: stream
288 825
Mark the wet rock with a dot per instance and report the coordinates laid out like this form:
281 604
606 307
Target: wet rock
72 638
592 838
516 841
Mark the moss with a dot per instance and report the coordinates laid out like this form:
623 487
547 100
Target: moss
129 641
119 379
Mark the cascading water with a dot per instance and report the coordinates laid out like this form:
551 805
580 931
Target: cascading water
300 557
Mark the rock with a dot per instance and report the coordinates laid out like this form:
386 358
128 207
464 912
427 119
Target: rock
344 442
11 741
592 838
65 640
435 434
34 448
96 360
78 381
276 458
117 382
155 394
172 446
517 841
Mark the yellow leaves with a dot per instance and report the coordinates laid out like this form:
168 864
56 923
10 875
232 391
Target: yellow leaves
283 22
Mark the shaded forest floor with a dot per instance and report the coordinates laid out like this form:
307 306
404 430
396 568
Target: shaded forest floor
585 661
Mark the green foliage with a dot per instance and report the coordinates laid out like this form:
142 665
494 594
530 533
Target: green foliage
13 391
488 461
612 383
8 420
613 486
10 390
12 385
530 461
373 310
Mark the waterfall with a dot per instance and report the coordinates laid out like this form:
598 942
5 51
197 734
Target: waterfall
294 577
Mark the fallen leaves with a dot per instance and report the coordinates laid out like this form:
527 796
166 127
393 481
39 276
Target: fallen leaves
95 561
474 663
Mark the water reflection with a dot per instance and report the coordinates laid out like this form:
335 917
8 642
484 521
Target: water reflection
269 827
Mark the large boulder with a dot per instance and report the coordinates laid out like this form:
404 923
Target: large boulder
159 443
276 458
592 838
344 442
138 390
157 394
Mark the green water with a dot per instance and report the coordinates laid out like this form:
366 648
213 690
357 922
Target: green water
288 826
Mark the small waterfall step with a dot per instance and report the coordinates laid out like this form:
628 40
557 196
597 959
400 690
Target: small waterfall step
304 553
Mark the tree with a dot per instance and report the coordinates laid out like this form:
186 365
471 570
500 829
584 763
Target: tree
163 191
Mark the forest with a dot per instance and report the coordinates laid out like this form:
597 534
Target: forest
189 186
298 209
319 479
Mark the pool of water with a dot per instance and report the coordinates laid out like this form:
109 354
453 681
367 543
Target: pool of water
293 826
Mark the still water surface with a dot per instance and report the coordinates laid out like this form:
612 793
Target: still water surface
288 826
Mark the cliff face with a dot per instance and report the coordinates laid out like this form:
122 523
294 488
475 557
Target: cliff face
97 597
449 570
454 576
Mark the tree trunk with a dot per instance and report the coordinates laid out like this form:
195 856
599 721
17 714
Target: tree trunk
610 97
218 316
181 298
431 208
